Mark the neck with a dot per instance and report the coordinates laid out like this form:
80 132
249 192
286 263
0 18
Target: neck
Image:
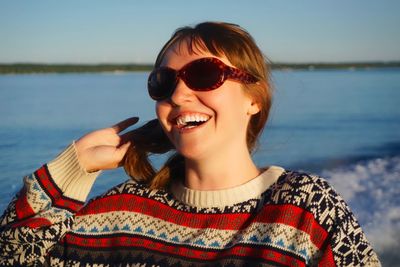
220 171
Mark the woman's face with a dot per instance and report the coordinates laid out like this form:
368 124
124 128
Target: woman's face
222 114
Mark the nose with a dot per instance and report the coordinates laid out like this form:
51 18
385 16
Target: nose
181 94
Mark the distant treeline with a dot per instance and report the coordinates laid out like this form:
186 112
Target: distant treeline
350 65
21 68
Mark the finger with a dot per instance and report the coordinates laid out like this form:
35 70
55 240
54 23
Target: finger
122 125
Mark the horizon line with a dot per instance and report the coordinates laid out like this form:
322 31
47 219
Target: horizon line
396 61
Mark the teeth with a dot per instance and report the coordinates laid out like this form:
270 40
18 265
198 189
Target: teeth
185 119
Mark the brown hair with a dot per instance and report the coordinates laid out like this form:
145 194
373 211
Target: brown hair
220 39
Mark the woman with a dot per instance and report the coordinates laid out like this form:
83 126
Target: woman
209 204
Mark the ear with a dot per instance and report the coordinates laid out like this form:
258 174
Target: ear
254 108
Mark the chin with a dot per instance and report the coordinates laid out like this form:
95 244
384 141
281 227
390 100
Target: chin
191 153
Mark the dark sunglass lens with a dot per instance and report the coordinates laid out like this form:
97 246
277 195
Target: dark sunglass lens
161 83
202 75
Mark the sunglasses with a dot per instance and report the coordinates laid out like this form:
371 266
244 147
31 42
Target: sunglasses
204 74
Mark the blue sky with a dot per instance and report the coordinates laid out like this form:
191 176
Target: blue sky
125 31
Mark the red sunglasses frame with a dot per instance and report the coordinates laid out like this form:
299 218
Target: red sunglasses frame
226 72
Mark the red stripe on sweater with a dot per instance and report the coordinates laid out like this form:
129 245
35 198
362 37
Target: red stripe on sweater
239 250
22 207
54 192
153 208
33 223
285 214
296 217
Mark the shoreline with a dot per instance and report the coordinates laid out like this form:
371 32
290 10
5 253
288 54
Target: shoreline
33 68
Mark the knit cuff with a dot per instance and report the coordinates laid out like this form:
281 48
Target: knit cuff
73 180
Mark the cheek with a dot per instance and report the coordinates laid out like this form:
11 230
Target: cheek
160 110
232 105
157 108
234 109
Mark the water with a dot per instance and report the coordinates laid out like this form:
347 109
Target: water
343 125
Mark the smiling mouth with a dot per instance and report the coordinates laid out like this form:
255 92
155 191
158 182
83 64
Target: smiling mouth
189 121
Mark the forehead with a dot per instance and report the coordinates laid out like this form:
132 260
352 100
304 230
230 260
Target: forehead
182 52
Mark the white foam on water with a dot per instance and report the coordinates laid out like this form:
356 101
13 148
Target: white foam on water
372 189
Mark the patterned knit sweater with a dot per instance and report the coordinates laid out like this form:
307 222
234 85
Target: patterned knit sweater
280 218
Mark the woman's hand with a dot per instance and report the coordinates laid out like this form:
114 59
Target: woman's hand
105 148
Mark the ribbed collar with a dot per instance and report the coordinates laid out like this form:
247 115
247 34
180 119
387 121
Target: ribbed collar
230 196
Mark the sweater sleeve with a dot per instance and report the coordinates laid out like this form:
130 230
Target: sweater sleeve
346 243
348 246
42 212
